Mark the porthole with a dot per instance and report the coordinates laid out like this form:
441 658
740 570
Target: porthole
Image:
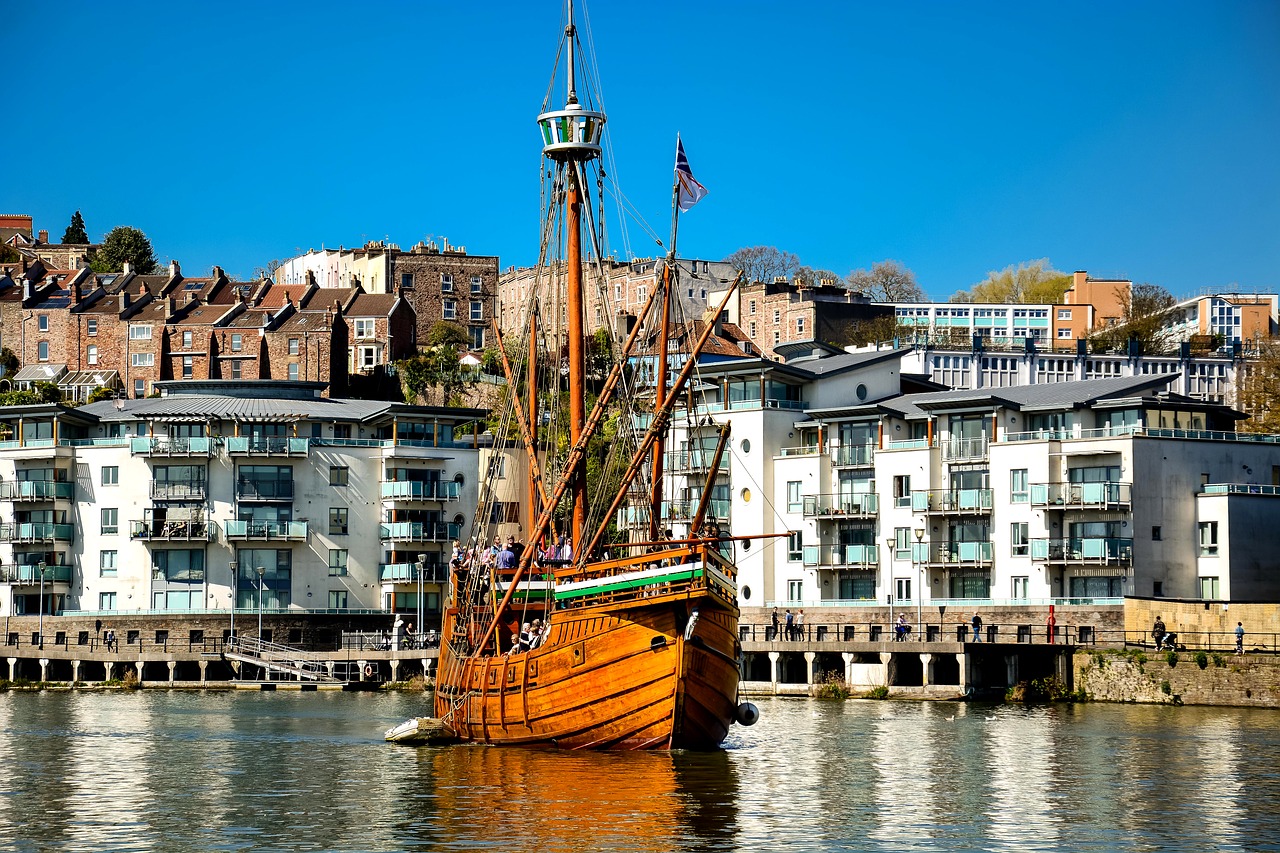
746 496
746 544
746 593
459 479
861 391
746 445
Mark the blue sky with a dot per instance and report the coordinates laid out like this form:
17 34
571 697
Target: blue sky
1133 139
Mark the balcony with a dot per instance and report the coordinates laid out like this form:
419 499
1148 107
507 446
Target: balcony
958 502
964 449
402 572
952 554
421 490
861 505
1081 495
420 531
243 445
175 491
284 531
37 532
684 510
171 531
850 455
264 490
30 575
32 491
160 445
1095 551
833 556
696 461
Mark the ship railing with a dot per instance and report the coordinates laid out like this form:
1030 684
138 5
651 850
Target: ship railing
660 570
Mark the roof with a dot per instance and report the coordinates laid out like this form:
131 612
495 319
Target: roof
1045 396
40 373
373 305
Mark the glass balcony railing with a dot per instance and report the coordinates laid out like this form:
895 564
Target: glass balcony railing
168 490
956 449
264 490
162 445
1080 495
171 530
37 531
284 530
957 501
952 553
1239 489
26 574
694 461
853 454
431 572
1103 550
420 531
861 504
421 490
36 490
841 555
271 445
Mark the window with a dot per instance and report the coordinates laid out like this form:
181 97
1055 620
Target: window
364 327
139 332
42 350
777 337
237 342
293 372
641 292
142 359
91 327
406 280
800 325
293 346
777 317
339 475
902 543
752 330
366 358
235 370
1018 538
446 283
188 367
110 521
1064 313
449 309
42 321
186 340
794 502
342 431
110 475
751 307
1018 490
902 490
795 545
1155 533
477 336
1209 589
337 562
337 521
902 588
477 309
106 601
107 561
1020 586
91 354
140 388
794 590
1208 539
337 599
477 284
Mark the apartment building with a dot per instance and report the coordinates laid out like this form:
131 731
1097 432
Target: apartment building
221 491
885 488
1219 318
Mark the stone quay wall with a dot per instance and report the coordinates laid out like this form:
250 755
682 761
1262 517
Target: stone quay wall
1249 680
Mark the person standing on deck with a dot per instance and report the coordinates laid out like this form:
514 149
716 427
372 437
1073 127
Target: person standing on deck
800 626
788 623
774 620
1239 638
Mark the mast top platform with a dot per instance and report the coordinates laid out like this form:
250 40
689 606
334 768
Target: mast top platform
572 133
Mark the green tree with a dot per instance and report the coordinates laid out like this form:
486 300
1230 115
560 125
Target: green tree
1030 282
125 244
1260 390
1145 310
75 232
764 263
887 281
9 363
444 333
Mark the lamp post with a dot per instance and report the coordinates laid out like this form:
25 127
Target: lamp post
920 588
235 581
40 567
890 551
261 573
422 565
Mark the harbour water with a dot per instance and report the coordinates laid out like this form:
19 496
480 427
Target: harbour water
171 771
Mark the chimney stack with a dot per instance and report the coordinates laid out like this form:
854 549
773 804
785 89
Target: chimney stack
128 268
42 236
174 269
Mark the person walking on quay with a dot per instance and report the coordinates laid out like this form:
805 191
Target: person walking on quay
1239 638
1158 632
800 625
774 619
977 628
789 623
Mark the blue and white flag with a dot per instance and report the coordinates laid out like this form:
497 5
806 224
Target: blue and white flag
691 192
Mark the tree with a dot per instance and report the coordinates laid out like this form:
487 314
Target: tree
1143 318
9 363
125 244
1259 393
810 277
75 232
1030 282
763 263
444 333
887 281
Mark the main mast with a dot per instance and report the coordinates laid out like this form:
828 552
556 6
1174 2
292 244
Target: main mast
571 138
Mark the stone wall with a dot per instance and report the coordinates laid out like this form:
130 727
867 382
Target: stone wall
1106 621
1227 679
1206 624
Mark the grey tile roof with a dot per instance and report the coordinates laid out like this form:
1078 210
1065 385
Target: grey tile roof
1053 395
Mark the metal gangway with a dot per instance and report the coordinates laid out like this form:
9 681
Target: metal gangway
278 659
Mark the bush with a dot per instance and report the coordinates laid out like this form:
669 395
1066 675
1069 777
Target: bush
1202 660
833 687
1165 688
1049 689
1171 659
881 692
1219 661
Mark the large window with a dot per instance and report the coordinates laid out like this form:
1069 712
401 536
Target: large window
339 475
364 327
1209 589
106 601
108 561
142 359
1020 543
110 475
337 599
1208 539
794 502
795 545
276 578
110 520
337 562
1018 489
139 332
477 336
337 521
184 565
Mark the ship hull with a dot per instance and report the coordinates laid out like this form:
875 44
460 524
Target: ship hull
625 676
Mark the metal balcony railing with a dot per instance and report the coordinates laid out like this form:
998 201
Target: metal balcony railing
959 501
176 491
267 446
420 531
1081 495
36 490
1100 550
957 449
171 530
862 505
292 531
853 454
952 553
161 445
17 573
37 531
695 461
841 555
421 490
431 572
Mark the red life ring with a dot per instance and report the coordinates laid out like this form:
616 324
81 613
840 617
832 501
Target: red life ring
368 670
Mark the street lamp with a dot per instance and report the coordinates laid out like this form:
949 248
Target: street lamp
890 551
920 588
235 581
422 565
41 569
261 573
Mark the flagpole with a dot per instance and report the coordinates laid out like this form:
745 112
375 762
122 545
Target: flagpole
660 368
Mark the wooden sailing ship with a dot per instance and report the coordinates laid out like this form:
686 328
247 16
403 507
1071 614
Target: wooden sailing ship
638 647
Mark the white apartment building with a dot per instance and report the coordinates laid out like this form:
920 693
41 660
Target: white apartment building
882 488
259 492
